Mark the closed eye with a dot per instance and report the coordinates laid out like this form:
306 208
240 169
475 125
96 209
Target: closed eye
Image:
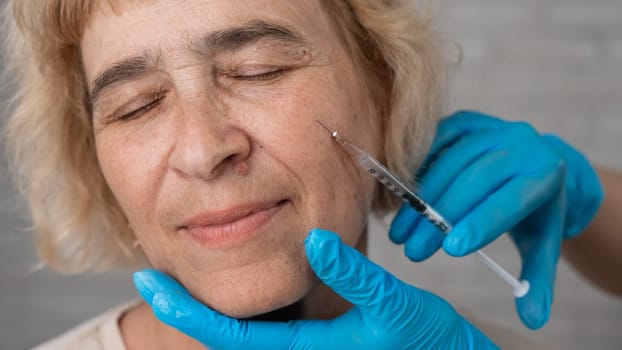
273 74
155 102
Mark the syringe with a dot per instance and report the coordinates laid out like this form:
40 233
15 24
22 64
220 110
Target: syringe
398 188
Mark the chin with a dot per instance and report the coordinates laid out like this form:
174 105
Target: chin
247 294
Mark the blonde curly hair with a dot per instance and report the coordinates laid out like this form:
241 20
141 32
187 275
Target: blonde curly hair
49 138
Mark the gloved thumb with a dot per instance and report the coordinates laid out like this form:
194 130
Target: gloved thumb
350 274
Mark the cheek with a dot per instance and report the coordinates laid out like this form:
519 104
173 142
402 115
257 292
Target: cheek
336 194
130 166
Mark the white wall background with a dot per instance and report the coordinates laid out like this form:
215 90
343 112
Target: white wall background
554 63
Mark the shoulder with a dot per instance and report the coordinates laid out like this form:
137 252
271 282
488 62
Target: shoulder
99 333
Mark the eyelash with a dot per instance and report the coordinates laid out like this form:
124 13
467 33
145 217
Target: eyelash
261 76
157 99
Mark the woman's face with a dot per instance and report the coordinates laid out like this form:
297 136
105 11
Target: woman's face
205 114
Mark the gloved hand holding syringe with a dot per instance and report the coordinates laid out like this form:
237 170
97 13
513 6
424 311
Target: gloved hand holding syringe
399 189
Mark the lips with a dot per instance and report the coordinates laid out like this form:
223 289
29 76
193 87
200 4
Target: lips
232 226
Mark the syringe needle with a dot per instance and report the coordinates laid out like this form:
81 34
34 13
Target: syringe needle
352 149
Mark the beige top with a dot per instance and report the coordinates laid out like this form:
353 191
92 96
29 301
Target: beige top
103 333
99 333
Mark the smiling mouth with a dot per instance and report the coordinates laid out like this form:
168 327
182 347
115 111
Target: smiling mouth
228 228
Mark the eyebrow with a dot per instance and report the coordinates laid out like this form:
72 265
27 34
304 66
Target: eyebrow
211 43
235 38
126 70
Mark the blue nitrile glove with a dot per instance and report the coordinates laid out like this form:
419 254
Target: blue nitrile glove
387 313
487 177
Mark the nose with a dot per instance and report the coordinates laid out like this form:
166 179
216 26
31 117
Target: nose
206 148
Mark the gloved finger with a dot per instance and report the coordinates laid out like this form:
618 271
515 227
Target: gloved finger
464 152
440 175
460 149
150 281
422 245
174 306
471 187
457 125
376 292
403 223
494 216
584 188
539 239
